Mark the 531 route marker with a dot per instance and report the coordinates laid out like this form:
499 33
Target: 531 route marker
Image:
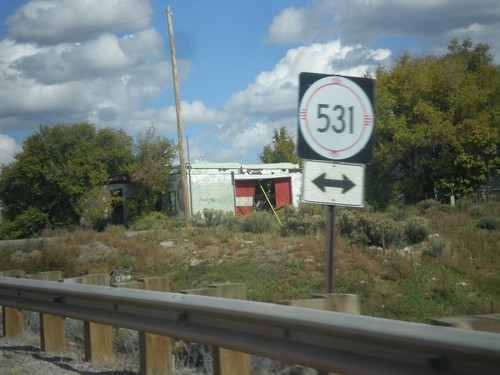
336 118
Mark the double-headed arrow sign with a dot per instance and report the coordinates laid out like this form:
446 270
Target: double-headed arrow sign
345 184
338 184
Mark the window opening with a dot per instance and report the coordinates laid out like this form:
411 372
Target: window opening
171 201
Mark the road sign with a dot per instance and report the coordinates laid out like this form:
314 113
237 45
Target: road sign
338 184
336 118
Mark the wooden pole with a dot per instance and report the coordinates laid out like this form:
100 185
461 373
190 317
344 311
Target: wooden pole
180 136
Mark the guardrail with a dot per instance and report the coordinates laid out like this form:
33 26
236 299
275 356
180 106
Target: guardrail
328 341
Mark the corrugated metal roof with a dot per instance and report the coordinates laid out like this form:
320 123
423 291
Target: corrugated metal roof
244 166
237 166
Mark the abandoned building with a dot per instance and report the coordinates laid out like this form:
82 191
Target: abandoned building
234 187
123 190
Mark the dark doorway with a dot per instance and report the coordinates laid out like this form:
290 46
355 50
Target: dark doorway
260 195
118 216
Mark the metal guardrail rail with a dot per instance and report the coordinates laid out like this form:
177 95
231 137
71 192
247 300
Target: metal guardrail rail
329 341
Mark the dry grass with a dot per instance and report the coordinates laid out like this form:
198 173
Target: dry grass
407 284
441 221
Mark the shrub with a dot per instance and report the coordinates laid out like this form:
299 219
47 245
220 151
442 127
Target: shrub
112 228
357 225
431 205
303 224
370 228
347 222
154 220
95 208
31 221
436 247
427 205
397 213
259 222
211 218
488 222
416 229
311 209
390 231
478 211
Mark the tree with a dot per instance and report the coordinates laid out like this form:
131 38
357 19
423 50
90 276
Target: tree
56 168
95 208
281 149
437 125
153 162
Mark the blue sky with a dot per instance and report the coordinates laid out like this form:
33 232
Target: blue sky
108 62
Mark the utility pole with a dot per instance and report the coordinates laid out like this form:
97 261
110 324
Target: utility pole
180 135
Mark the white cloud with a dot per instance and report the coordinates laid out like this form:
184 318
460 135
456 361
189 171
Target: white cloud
274 93
165 120
365 21
291 25
8 148
56 21
198 113
103 80
104 57
255 136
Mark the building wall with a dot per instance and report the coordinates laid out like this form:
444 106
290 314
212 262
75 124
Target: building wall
212 185
213 191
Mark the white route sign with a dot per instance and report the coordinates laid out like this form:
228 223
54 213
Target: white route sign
336 117
330 183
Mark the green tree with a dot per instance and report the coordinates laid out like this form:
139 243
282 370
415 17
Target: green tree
95 208
281 149
55 169
437 125
154 156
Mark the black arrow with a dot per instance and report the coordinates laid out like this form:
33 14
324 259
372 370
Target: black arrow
322 182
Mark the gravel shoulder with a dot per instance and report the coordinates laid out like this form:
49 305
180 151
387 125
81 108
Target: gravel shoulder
22 355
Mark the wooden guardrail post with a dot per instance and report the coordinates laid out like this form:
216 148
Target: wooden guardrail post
226 362
155 350
346 303
485 322
98 337
13 318
51 326
13 321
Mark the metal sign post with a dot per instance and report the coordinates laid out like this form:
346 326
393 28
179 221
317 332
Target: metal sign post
333 184
330 251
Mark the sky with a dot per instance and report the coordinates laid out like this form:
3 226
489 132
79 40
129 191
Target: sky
109 62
